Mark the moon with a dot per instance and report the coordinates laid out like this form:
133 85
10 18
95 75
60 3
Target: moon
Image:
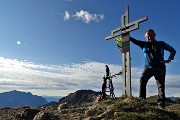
18 42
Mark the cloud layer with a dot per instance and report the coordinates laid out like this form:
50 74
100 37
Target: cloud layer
63 79
84 16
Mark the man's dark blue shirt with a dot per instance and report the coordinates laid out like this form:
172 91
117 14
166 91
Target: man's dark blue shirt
154 52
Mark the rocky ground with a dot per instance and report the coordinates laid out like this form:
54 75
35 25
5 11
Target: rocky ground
53 112
128 108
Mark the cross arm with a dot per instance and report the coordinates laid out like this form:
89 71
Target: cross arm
126 28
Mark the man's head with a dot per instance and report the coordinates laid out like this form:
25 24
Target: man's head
150 35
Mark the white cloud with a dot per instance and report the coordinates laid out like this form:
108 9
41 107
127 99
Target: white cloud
63 79
88 17
84 16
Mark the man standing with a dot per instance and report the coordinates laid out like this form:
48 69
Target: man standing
154 64
107 71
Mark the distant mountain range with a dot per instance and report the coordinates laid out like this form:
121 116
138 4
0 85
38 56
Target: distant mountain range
16 98
153 99
174 98
52 98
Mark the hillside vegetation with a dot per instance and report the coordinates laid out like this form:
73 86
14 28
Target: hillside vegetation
138 109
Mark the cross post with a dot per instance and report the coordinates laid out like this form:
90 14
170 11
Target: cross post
124 31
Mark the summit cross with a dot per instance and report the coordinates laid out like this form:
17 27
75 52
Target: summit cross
124 31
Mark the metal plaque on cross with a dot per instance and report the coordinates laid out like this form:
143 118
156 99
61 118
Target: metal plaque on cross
124 31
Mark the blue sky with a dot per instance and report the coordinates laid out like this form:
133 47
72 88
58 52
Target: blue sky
54 47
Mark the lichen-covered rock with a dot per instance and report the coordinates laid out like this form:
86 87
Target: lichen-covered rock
63 106
42 116
26 114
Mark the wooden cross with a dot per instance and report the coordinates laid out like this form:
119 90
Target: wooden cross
126 62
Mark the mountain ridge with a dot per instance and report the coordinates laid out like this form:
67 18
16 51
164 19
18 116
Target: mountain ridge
79 97
16 98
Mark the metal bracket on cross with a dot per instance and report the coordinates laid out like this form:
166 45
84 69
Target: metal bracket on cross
124 31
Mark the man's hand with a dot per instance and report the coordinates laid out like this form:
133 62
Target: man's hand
165 61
